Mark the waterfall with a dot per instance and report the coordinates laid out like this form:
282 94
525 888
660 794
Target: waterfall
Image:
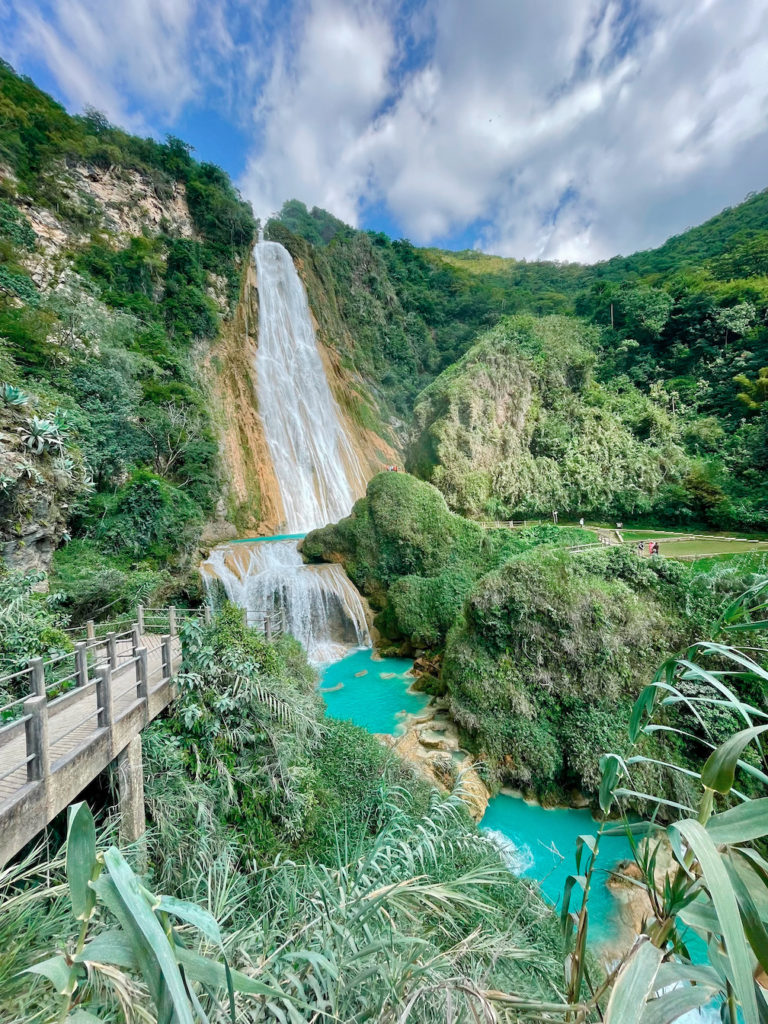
317 469
316 604
318 472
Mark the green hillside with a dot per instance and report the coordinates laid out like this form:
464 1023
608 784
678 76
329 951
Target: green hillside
678 335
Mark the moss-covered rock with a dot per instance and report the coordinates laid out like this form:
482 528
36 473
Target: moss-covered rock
550 653
416 560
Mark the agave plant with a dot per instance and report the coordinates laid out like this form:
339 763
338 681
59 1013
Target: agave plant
40 434
12 395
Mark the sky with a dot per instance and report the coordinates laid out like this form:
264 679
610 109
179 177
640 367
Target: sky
540 129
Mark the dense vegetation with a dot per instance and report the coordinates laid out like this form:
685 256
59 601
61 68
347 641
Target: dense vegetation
414 559
541 652
678 334
519 426
339 880
108 434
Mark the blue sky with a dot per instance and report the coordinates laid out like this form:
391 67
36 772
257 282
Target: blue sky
559 129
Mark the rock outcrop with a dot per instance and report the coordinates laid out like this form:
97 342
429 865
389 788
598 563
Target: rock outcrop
431 744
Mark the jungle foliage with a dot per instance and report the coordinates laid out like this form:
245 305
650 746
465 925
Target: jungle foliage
295 848
678 333
542 651
420 918
114 348
414 559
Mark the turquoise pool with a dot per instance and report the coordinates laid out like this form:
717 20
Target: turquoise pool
541 844
373 692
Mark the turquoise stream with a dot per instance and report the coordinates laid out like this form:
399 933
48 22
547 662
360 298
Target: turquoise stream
538 843
374 691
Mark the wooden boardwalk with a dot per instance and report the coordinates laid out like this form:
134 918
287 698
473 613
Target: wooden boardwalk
57 746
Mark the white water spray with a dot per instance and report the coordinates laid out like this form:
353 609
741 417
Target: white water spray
318 473
316 604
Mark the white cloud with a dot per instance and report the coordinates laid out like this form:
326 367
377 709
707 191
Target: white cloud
317 106
142 62
566 129
574 129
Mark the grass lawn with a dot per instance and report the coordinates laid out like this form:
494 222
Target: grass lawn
709 546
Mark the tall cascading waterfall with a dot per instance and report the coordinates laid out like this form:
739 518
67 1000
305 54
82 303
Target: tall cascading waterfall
318 472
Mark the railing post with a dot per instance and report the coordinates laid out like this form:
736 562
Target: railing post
142 674
267 628
140 617
81 662
172 620
166 657
112 650
90 630
135 638
37 677
207 615
104 696
38 751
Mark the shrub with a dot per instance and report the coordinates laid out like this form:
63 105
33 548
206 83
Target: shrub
147 517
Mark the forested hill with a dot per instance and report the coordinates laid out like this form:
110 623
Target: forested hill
120 260
678 343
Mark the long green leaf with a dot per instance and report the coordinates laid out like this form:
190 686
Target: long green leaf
719 771
727 910
81 859
740 824
634 984
641 710
570 882
147 924
754 928
61 974
110 947
213 974
192 914
81 1016
671 1006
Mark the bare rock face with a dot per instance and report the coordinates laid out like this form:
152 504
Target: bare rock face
431 744
129 202
635 908
36 489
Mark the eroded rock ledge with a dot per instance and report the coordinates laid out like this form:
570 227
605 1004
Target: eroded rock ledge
431 744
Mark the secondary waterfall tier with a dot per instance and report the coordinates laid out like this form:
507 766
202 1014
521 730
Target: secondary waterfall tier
318 471
316 604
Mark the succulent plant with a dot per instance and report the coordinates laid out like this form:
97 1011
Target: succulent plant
39 434
12 395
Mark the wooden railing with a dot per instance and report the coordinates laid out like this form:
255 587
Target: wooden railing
82 710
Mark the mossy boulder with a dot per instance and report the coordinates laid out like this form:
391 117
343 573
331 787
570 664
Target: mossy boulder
549 655
416 560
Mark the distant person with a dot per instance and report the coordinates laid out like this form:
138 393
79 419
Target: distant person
554 517
655 548
641 548
619 526
581 522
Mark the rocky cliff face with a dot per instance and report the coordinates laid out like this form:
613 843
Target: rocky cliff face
41 474
252 498
117 208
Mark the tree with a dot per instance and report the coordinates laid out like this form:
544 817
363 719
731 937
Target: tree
754 392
